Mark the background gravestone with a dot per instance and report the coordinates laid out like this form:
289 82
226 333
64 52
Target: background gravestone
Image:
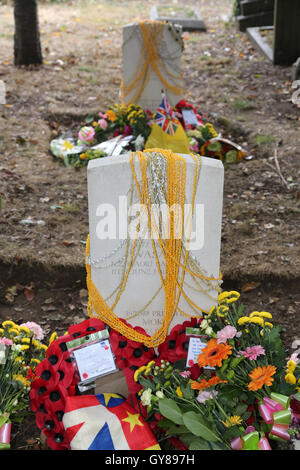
108 179
188 18
255 13
169 55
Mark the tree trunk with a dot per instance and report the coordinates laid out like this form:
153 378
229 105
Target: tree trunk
27 47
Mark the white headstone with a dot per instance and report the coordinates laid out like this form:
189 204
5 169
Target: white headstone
142 84
110 202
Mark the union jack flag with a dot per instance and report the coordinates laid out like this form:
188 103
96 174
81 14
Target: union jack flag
165 117
105 422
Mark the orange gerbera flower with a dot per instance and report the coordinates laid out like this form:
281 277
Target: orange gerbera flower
261 376
207 383
213 354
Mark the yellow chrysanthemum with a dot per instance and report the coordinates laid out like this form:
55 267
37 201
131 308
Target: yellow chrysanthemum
25 329
229 297
257 321
222 310
25 340
18 359
233 421
291 365
290 378
260 314
243 320
13 332
179 392
138 372
24 347
1 331
19 378
8 323
52 337
268 324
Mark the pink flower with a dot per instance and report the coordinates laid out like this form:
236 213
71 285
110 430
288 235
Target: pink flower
35 328
253 353
206 395
294 358
86 133
6 341
103 124
102 115
185 373
226 333
194 147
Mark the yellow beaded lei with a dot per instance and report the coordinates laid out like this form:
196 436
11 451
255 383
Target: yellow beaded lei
149 61
172 250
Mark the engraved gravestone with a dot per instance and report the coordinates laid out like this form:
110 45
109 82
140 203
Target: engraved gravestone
115 218
151 64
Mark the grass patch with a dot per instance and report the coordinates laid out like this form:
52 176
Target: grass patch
262 140
242 105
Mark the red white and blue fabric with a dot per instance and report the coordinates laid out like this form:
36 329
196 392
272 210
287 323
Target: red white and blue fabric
105 422
165 117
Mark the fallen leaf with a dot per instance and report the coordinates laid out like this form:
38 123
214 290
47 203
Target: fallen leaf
29 291
250 286
68 242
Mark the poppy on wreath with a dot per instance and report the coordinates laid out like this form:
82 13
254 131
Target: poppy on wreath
175 346
86 327
128 352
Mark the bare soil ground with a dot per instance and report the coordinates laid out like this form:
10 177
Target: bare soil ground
232 85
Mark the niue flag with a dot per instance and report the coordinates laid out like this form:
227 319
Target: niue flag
105 422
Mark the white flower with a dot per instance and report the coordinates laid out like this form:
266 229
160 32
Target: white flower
139 142
209 331
146 397
16 347
204 324
2 357
160 394
206 395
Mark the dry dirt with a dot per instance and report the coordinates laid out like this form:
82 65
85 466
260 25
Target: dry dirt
42 273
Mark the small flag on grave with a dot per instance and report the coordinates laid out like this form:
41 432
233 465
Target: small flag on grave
167 131
106 422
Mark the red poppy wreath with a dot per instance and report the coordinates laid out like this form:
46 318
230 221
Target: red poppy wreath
57 376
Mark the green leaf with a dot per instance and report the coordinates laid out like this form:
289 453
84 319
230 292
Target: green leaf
231 156
89 118
232 431
199 444
241 409
217 446
194 424
187 439
146 383
170 410
215 147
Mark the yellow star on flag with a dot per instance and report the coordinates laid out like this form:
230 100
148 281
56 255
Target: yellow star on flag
133 420
108 396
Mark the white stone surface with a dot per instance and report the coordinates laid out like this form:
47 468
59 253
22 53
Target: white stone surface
108 179
170 55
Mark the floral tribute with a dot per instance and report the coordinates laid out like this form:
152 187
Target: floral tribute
242 393
21 351
132 126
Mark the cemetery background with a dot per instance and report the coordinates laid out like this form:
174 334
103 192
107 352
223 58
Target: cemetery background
44 218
